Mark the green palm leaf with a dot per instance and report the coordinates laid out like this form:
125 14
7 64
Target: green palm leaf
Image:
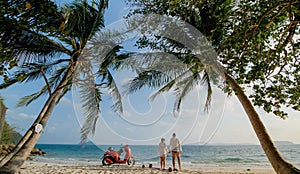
206 80
90 99
83 20
150 78
25 101
184 87
170 84
114 92
30 46
55 78
33 71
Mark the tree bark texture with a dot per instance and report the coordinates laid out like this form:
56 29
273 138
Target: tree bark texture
2 118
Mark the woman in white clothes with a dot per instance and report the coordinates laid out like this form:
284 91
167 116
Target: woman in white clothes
176 149
162 152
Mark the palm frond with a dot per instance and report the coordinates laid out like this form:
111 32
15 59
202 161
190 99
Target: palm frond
170 84
114 91
65 91
90 99
103 47
150 78
19 76
206 80
57 76
53 81
165 88
9 82
110 57
160 70
25 101
29 46
32 71
184 87
83 20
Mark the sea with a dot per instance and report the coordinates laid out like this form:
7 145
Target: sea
193 157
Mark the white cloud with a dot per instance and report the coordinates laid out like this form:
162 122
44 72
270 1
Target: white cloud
51 129
13 115
66 102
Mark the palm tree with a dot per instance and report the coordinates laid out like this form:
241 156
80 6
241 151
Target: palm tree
188 73
182 82
55 52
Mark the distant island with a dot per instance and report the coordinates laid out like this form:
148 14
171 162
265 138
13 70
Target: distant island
88 143
230 144
283 142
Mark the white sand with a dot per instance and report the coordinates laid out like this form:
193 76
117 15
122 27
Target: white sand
34 167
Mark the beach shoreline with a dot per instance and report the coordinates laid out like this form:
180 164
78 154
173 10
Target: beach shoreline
38 167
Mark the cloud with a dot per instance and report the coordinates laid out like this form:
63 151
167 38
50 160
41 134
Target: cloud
24 116
51 129
66 101
13 115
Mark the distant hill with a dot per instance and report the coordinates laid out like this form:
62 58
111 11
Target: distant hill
88 143
9 135
219 144
283 142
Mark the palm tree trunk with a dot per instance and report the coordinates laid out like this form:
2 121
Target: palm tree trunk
27 134
13 161
2 118
17 160
280 165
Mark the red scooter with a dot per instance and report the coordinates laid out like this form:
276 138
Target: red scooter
113 157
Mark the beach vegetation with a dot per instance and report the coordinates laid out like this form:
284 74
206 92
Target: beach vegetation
256 60
257 55
41 41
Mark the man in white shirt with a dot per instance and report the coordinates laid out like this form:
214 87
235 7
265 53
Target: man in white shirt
176 149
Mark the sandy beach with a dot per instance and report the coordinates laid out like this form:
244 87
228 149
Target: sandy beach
35 167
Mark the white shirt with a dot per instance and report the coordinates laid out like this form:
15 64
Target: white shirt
175 145
162 149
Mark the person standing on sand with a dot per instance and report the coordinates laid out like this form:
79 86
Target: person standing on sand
162 152
176 149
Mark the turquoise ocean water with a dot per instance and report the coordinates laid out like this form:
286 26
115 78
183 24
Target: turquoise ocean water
193 157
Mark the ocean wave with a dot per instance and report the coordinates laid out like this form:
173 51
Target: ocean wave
185 156
67 160
233 159
237 160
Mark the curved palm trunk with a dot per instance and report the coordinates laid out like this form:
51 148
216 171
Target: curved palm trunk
27 134
17 160
2 118
279 164
13 161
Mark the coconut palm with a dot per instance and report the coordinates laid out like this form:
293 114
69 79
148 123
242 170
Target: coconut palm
240 48
54 48
185 77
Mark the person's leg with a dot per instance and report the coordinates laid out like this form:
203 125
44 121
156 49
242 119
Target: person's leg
161 162
173 159
164 162
179 162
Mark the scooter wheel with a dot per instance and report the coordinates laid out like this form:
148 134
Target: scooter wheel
108 160
131 161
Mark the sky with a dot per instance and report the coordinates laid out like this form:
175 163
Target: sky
144 121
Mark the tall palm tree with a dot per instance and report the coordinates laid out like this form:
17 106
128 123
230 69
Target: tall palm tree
212 21
55 52
184 77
